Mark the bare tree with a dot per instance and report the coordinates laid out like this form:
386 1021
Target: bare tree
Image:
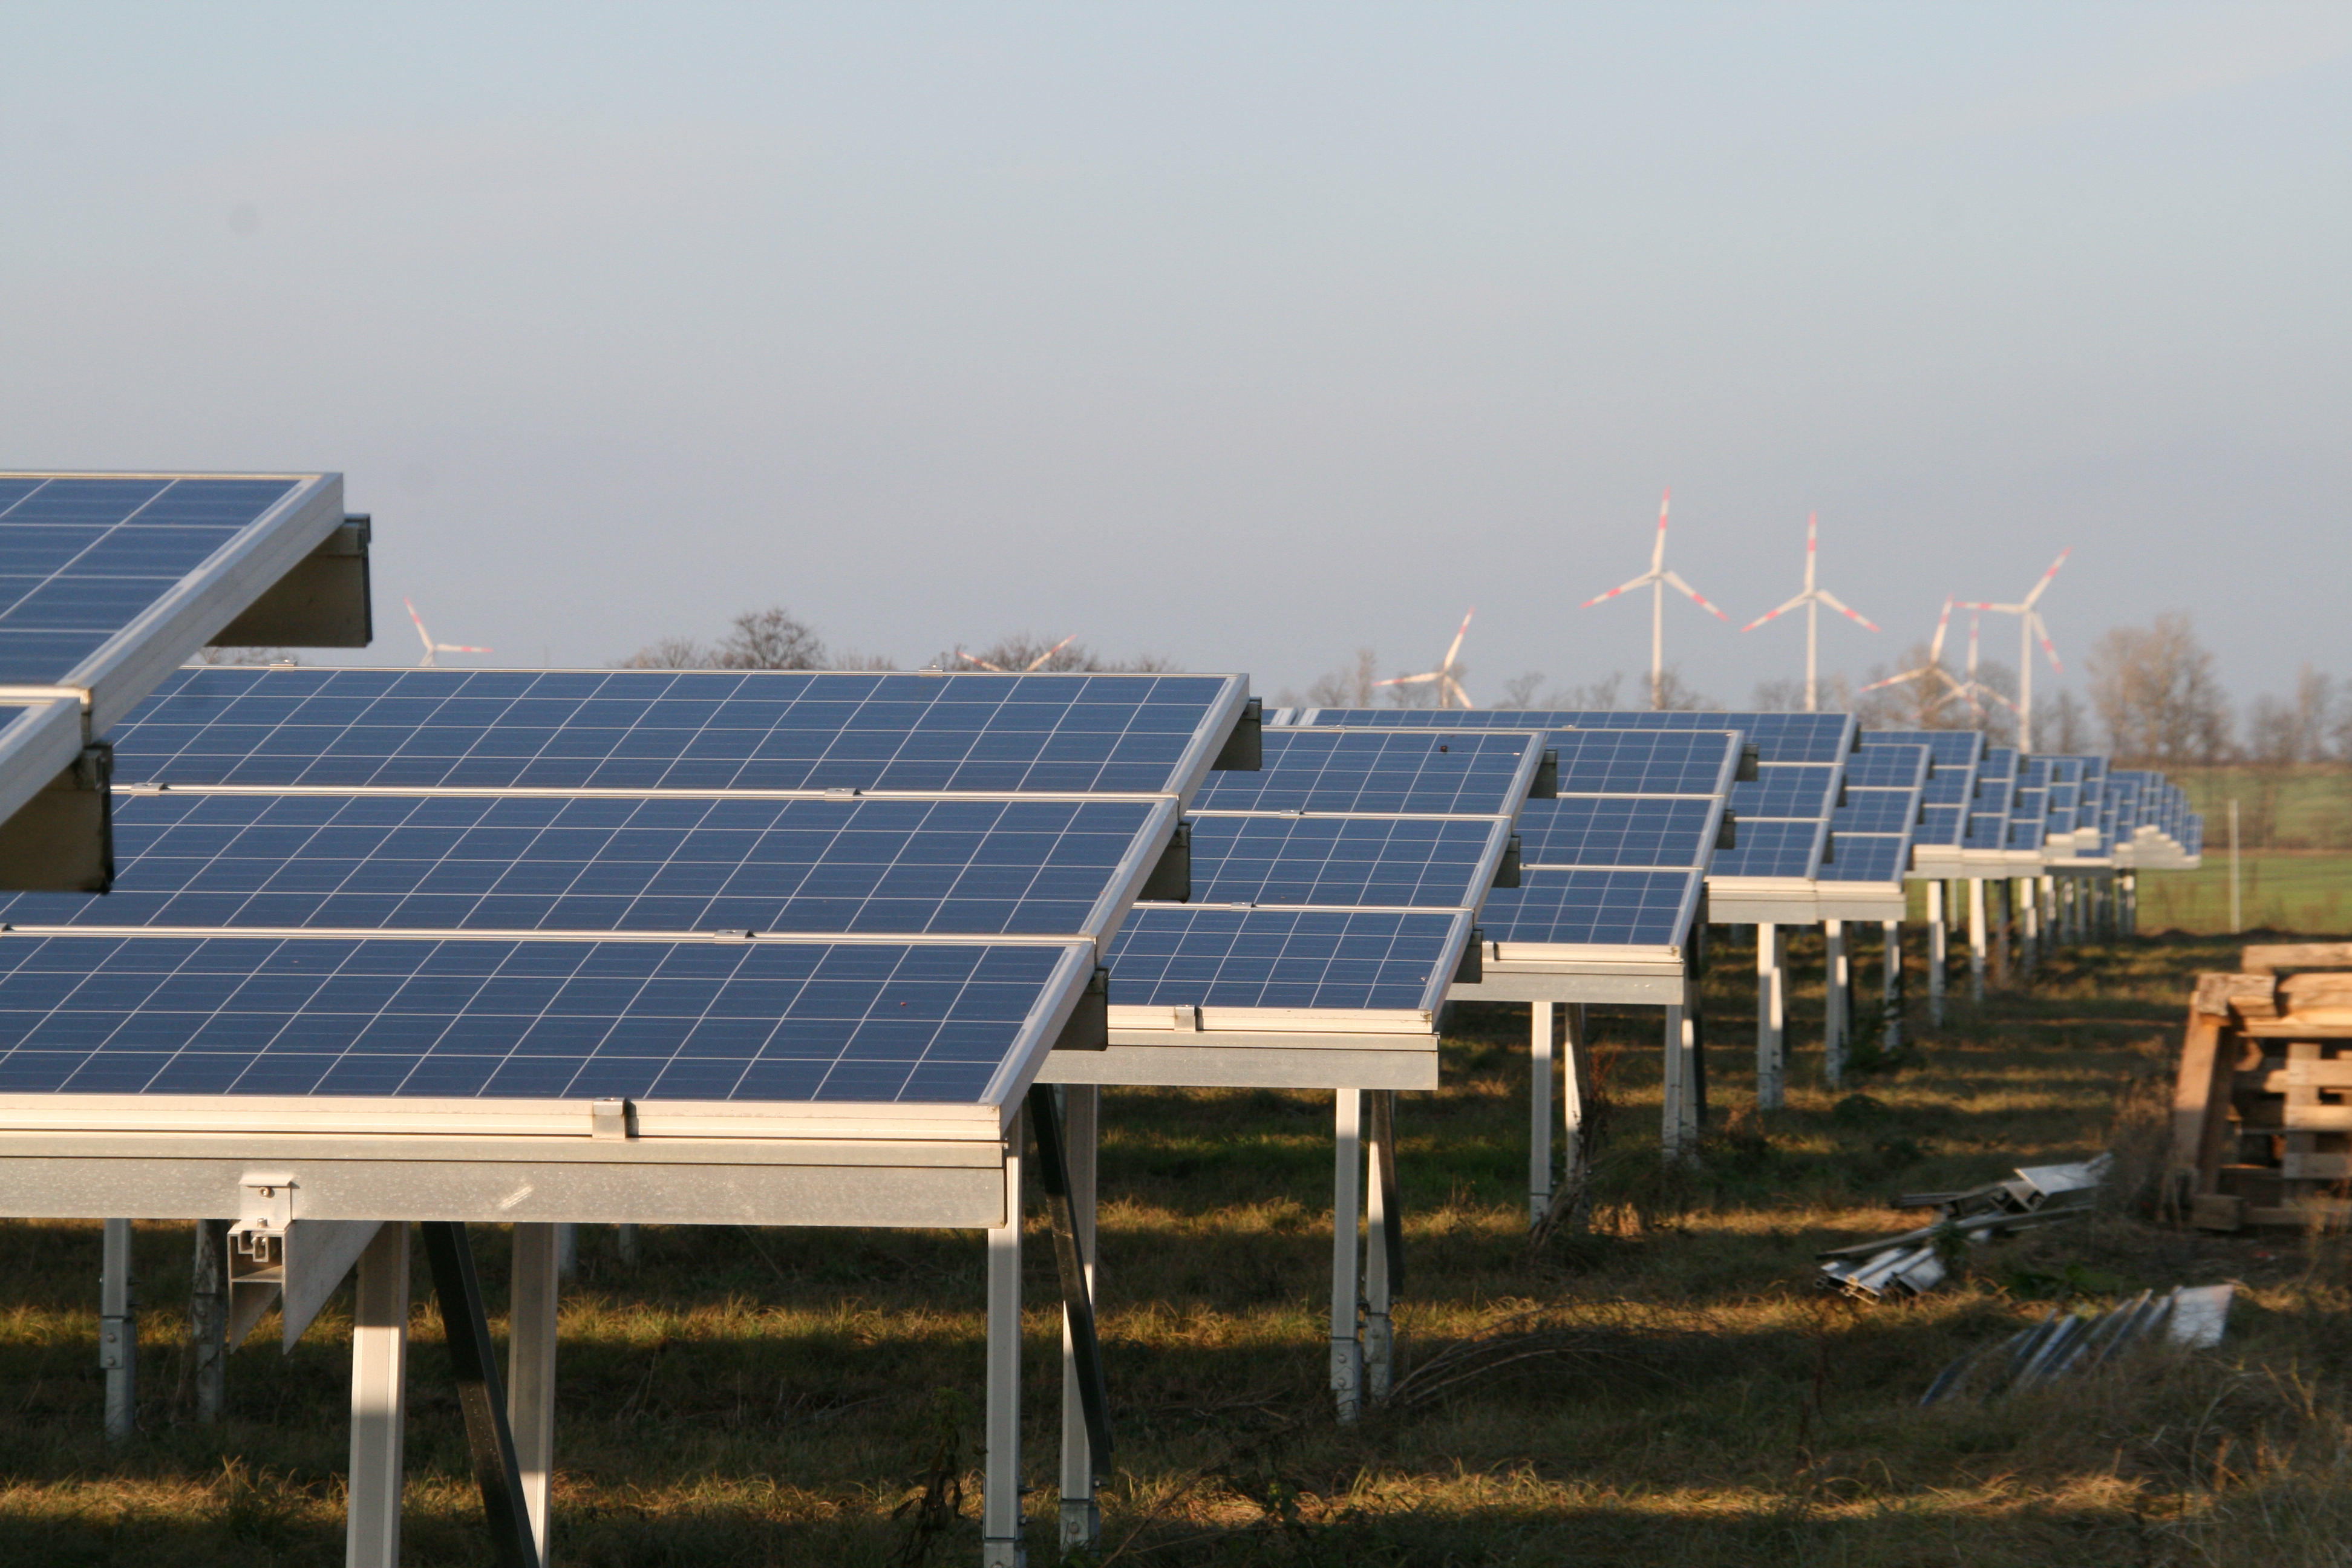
2158 695
1350 686
772 638
1027 651
1677 695
2061 724
671 653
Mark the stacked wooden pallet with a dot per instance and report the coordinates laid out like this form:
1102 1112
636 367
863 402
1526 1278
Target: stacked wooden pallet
2261 1122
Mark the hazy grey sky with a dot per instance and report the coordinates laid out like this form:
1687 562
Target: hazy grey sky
1245 334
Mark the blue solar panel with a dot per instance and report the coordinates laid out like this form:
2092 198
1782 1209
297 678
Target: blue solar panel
1617 831
1344 861
1876 811
534 863
1786 791
1614 909
1866 858
81 557
1885 767
1635 762
1179 956
1940 825
633 729
1778 737
1377 771
749 1022
1770 848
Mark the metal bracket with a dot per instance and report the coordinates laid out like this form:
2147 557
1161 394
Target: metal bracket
325 601
274 1256
1088 1027
1244 748
1473 968
1171 881
1382 1105
1751 759
1547 780
611 1120
1506 869
1086 1351
474 1365
1727 836
62 840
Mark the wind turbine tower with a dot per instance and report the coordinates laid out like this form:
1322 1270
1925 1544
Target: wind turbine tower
1658 579
1813 598
2029 627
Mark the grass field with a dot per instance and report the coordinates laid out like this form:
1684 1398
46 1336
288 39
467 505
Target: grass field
2306 890
1666 1389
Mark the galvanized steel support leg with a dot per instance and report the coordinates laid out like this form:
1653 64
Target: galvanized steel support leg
1680 1133
1836 993
118 1330
475 1366
208 1320
567 1252
531 1372
1539 1112
379 1399
1771 1017
628 1245
1347 1205
1891 997
1000 1544
1081 1515
1573 1068
1084 1359
1939 952
1383 1243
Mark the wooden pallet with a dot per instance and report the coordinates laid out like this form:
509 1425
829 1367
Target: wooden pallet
2261 1117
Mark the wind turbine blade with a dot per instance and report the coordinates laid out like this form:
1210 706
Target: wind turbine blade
1460 696
1412 679
1812 546
1899 679
1658 551
459 647
1696 597
422 635
1645 580
1769 613
1039 662
2045 578
1834 603
2049 648
1456 649
1936 648
975 659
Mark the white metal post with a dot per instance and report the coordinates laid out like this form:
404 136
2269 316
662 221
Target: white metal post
1347 1205
118 1330
1680 1133
1538 1111
1081 1514
1574 1065
379 1391
2047 887
208 1320
1380 1338
567 1252
2029 922
1001 1543
1771 1017
1835 994
2237 906
1891 997
1939 952
628 1245
531 1372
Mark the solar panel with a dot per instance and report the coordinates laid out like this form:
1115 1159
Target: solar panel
1357 960
488 1019
1365 771
1580 908
1778 737
642 729
1871 831
1883 767
1616 831
966 867
1345 860
1786 790
1951 790
1875 811
1634 761
1765 848
106 580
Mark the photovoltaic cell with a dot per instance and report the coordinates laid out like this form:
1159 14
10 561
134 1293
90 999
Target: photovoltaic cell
231 1016
1180 956
1605 831
1770 848
1867 858
1615 908
1786 791
81 557
1634 761
1875 811
1778 737
643 729
535 863
1377 771
1882 767
1342 860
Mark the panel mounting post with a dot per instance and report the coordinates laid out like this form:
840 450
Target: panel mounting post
475 1366
1383 1243
1000 1546
379 1400
1081 1514
118 1332
1347 1210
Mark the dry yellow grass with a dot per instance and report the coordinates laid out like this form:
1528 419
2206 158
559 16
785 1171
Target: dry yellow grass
1683 1394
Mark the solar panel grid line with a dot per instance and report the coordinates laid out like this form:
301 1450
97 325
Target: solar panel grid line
393 1017
108 581
660 728
1591 907
1317 959
1779 737
1353 861
1607 761
970 867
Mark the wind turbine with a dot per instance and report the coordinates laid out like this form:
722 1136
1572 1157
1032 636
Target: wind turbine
1972 687
1934 672
1658 579
432 647
1035 663
2029 625
1813 598
1449 690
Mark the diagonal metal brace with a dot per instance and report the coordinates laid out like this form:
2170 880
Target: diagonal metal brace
1383 1109
1053 1175
488 1436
